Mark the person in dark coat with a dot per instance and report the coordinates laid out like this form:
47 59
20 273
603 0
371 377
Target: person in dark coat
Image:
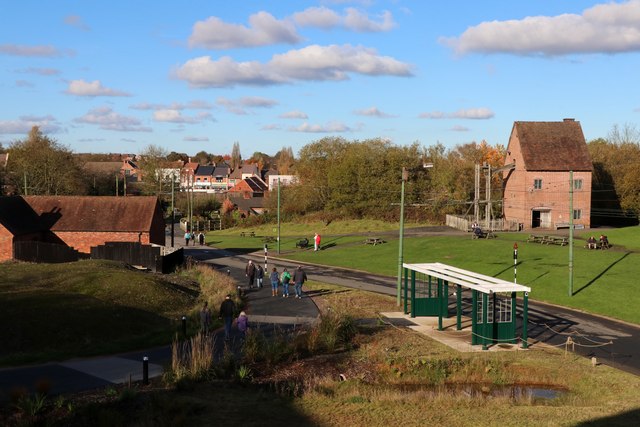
227 310
250 273
299 277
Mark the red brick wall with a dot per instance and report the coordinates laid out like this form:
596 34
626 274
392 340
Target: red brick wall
6 244
520 198
82 241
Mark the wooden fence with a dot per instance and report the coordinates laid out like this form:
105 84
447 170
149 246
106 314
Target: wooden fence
34 251
152 257
464 223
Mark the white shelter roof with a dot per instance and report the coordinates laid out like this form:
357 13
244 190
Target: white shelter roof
466 278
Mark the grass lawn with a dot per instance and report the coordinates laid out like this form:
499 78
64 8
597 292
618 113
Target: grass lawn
86 308
604 282
384 376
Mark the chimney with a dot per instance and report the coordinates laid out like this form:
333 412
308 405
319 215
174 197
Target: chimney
569 120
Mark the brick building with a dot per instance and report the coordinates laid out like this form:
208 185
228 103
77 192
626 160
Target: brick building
79 222
536 189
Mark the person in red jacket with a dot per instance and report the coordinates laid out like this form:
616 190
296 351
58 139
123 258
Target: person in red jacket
316 242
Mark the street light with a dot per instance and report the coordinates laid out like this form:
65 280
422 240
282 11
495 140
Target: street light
405 177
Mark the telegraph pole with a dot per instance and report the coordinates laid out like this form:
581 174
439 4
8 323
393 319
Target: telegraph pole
570 233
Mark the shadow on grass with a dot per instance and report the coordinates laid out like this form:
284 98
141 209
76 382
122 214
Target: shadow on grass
602 273
628 418
320 292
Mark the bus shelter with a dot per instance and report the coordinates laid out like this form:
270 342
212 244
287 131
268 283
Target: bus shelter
493 301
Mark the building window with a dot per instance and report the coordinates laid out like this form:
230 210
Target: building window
577 184
577 213
504 310
537 184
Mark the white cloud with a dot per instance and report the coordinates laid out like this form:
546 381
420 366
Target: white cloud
94 88
459 128
310 63
605 28
373 112
175 116
330 127
76 21
271 127
191 105
108 119
471 113
295 114
239 106
359 21
47 124
263 30
36 51
196 139
354 20
24 83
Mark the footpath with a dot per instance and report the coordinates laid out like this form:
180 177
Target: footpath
82 374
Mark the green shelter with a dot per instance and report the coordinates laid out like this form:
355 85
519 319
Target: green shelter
493 301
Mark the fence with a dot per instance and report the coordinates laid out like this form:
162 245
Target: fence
464 224
34 251
202 225
152 257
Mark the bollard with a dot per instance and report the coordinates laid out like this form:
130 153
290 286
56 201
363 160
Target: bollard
145 370
239 291
228 272
184 325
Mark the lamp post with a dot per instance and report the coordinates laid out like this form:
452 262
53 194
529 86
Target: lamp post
405 177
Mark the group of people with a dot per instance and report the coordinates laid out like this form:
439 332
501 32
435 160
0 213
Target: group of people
284 280
593 244
254 274
193 237
226 314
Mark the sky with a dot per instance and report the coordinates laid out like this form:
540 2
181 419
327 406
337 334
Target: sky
117 76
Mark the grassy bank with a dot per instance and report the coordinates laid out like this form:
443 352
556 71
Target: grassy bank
604 282
383 375
86 308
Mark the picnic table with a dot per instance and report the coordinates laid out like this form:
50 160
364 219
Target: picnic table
248 233
548 240
479 234
373 241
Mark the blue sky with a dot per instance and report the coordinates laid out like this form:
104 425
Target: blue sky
118 76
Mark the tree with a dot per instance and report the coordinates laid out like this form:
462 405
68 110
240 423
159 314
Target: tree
40 166
153 159
285 161
203 157
236 157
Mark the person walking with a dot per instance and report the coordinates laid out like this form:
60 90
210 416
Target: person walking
275 281
205 318
187 236
316 242
250 273
299 277
243 323
259 276
285 279
227 309
201 239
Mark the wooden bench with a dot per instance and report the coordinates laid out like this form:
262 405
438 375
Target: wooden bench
250 234
483 235
373 241
557 240
536 238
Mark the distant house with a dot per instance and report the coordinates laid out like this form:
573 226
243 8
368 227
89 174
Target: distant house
273 179
203 178
250 187
536 186
187 175
130 171
170 171
79 222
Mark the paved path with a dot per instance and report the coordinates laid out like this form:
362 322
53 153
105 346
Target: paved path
549 324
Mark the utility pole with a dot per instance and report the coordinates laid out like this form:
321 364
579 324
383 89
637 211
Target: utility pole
476 195
25 184
487 207
405 176
117 185
173 209
570 233
278 237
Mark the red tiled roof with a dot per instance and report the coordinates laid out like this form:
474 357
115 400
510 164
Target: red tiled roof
553 146
86 213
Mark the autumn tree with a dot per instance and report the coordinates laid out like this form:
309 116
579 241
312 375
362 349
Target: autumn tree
40 165
153 159
236 157
285 161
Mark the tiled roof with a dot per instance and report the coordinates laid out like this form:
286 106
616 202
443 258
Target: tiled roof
205 171
553 146
18 217
256 184
86 213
